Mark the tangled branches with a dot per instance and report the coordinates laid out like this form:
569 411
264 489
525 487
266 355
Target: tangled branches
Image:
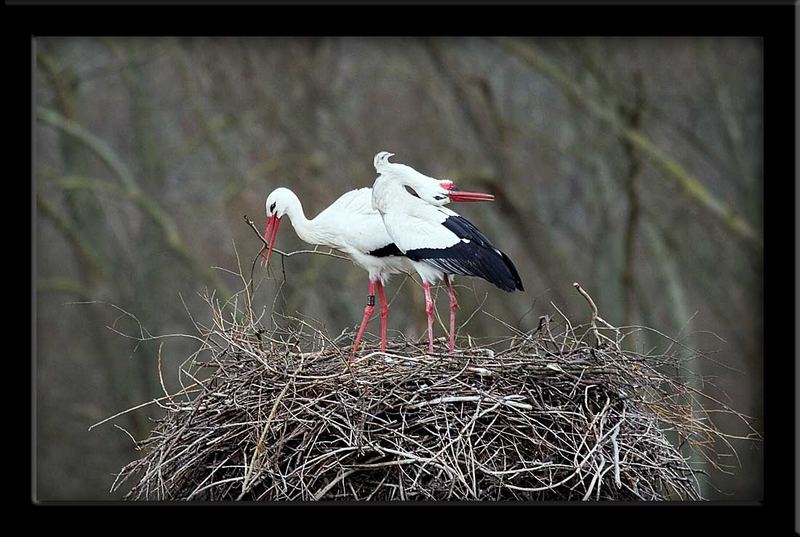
545 415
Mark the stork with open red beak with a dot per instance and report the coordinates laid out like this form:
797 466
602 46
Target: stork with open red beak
351 226
439 242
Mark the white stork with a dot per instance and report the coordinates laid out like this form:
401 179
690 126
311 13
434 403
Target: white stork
351 226
437 240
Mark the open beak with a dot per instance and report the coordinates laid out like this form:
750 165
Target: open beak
270 232
458 195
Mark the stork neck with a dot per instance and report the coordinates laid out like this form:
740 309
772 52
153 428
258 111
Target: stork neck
415 180
387 192
306 229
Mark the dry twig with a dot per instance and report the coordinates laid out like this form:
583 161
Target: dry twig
530 416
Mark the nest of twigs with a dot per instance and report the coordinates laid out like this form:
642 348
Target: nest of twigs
560 413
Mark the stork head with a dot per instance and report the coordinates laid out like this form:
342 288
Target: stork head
277 204
381 159
278 201
434 191
442 192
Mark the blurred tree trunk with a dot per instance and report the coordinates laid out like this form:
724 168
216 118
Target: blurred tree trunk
690 186
79 223
632 115
491 134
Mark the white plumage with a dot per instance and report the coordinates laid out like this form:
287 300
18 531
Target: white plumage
437 240
352 226
349 225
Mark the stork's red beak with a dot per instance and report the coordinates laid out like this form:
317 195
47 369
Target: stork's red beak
462 196
456 194
270 232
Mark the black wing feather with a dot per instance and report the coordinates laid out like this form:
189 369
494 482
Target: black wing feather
385 251
476 257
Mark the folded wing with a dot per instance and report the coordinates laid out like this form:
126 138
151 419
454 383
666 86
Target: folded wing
449 242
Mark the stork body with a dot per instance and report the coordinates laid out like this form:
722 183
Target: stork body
438 241
351 226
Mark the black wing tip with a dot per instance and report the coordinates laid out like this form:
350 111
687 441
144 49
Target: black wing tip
507 280
517 286
471 259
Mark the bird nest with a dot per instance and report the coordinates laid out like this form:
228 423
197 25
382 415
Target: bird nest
560 413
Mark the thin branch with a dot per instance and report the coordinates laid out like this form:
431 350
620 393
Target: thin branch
296 252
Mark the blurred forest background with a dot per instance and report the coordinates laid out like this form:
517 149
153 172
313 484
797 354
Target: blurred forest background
633 166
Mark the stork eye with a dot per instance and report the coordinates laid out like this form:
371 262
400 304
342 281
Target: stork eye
272 207
438 197
411 191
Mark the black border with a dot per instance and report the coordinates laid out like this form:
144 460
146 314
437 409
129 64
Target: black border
207 19
775 23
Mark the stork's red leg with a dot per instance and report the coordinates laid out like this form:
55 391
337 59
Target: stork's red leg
429 310
453 308
370 307
384 314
